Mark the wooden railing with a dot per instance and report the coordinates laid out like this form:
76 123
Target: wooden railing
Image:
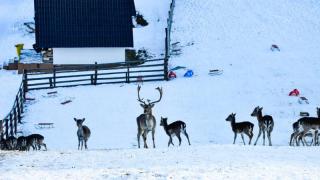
95 74
10 122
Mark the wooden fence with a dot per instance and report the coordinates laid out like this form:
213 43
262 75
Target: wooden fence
8 126
94 74
168 29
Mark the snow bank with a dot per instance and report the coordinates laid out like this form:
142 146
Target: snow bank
201 162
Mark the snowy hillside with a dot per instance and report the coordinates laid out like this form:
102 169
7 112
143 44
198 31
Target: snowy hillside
234 36
253 75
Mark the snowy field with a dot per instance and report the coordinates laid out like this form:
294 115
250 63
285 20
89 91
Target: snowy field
196 162
234 36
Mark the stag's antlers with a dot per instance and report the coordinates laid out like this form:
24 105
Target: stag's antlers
160 91
142 101
139 99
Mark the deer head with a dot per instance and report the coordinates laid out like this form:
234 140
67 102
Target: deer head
147 106
79 121
164 121
231 117
256 111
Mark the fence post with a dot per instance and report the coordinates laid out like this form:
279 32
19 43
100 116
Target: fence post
15 120
18 109
11 125
7 127
21 100
95 73
25 83
54 76
128 74
166 69
166 44
50 82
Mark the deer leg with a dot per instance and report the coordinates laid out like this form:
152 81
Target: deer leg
249 134
138 137
179 138
153 132
258 137
78 143
242 139
45 146
144 135
264 137
186 134
304 142
82 142
315 137
170 141
292 139
250 137
235 137
269 137
85 144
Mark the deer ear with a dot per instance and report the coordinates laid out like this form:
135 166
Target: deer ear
142 105
234 114
152 105
261 108
83 119
75 119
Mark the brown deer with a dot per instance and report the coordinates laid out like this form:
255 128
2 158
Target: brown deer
307 124
83 133
245 127
265 123
174 129
35 141
296 136
147 122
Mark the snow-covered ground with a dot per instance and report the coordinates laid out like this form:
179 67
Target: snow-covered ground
197 162
234 36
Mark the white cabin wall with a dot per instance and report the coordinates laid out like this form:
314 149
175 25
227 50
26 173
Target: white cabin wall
88 55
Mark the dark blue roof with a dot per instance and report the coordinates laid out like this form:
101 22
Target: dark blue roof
84 23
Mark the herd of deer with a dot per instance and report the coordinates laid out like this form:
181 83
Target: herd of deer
306 126
23 143
146 122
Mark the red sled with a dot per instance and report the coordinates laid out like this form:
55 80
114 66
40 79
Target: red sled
172 75
294 92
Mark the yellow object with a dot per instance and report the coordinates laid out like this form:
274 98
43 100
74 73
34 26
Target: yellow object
19 48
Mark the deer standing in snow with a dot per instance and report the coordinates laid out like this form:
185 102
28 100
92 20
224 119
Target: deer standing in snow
35 141
147 122
174 129
245 127
83 133
265 124
302 124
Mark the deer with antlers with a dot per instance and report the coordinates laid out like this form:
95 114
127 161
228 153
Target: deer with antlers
147 122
